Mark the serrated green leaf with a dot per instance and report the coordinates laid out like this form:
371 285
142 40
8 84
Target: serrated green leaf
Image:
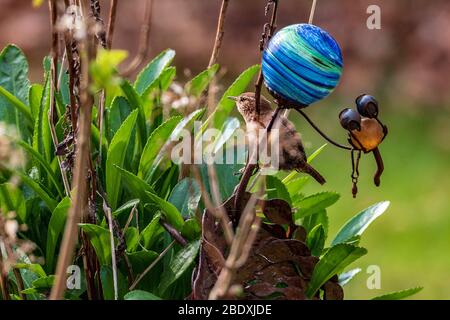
316 240
40 192
333 262
313 220
359 223
277 190
153 70
161 83
44 164
42 140
55 229
398 295
35 97
199 83
116 156
314 203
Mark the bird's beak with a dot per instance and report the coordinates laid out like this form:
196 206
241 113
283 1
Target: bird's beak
232 98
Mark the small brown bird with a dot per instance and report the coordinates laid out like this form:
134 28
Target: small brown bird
292 153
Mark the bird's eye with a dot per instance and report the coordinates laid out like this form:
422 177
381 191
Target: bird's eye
367 106
242 99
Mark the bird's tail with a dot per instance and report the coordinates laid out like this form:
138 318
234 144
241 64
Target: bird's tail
313 173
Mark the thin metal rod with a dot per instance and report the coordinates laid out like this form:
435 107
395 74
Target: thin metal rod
321 132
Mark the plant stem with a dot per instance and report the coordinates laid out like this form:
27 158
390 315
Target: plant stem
219 33
111 23
144 43
267 35
150 267
80 184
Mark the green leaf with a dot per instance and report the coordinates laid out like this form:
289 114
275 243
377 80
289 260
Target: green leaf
136 185
140 295
346 277
170 212
191 229
14 86
34 267
294 187
153 70
200 82
154 145
42 139
151 232
316 153
315 219
120 109
35 97
333 262
106 277
116 156
141 260
316 240
229 128
100 240
132 239
398 295
44 164
55 229
44 282
162 83
225 105
178 265
276 189
314 203
185 197
41 193
359 223
12 199
136 103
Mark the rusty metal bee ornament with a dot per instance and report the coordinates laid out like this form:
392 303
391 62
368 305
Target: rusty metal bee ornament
366 132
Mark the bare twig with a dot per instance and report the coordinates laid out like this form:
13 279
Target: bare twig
239 251
111 23
266 36
219 213
54 88
143 41
219 33
107 210
3 279
20 285
80 184
174 233
150 267
313 10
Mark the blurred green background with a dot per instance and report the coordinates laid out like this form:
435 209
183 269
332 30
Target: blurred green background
405 65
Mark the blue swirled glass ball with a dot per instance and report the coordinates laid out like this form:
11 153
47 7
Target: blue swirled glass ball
302 64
